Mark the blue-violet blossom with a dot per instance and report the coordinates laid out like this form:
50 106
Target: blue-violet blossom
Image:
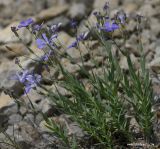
81 37
29 80
109 26
25 23
41 43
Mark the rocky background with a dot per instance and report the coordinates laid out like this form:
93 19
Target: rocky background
25 125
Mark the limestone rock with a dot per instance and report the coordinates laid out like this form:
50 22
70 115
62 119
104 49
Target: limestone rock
51 13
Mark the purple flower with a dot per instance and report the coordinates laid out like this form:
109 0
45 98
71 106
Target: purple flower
81 37
41 43
37 27
73 45
55 28
109 26
106 6
29 80
21 77
73 23
32 80
25 23
46 56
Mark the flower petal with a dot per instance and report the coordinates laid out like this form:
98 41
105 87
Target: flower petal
40 43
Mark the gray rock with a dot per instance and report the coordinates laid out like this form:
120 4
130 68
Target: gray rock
147 10
77 10
51 13
3 121
155 29
98 4
10 109
29 118
60 19
7 36
14 118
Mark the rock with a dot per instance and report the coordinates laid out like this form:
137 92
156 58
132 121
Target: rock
147 36
130 8
29 118
8 69
25 145
157 49
131 26
10 109
123 62
97 71
71 68
60 19
147 10
64 38
14 118
134 126
56 2
154 65
15 50
42 127
60 89
5 100
7 36
100 3
155 29
72 128
77 10
34 97
7 2
51 13
23 131
3 121
44 106
74 53
156 89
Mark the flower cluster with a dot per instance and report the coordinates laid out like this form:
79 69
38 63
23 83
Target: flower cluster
42 43
107 24
81 37
28 79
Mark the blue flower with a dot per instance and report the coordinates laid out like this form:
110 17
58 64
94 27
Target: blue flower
33 78
25 23
41 43
46 56
73 45
29 80
106 6
109 26
36 27
81 37
73 23
21 77
55 28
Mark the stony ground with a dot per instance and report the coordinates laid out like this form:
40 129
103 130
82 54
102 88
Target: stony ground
28 126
